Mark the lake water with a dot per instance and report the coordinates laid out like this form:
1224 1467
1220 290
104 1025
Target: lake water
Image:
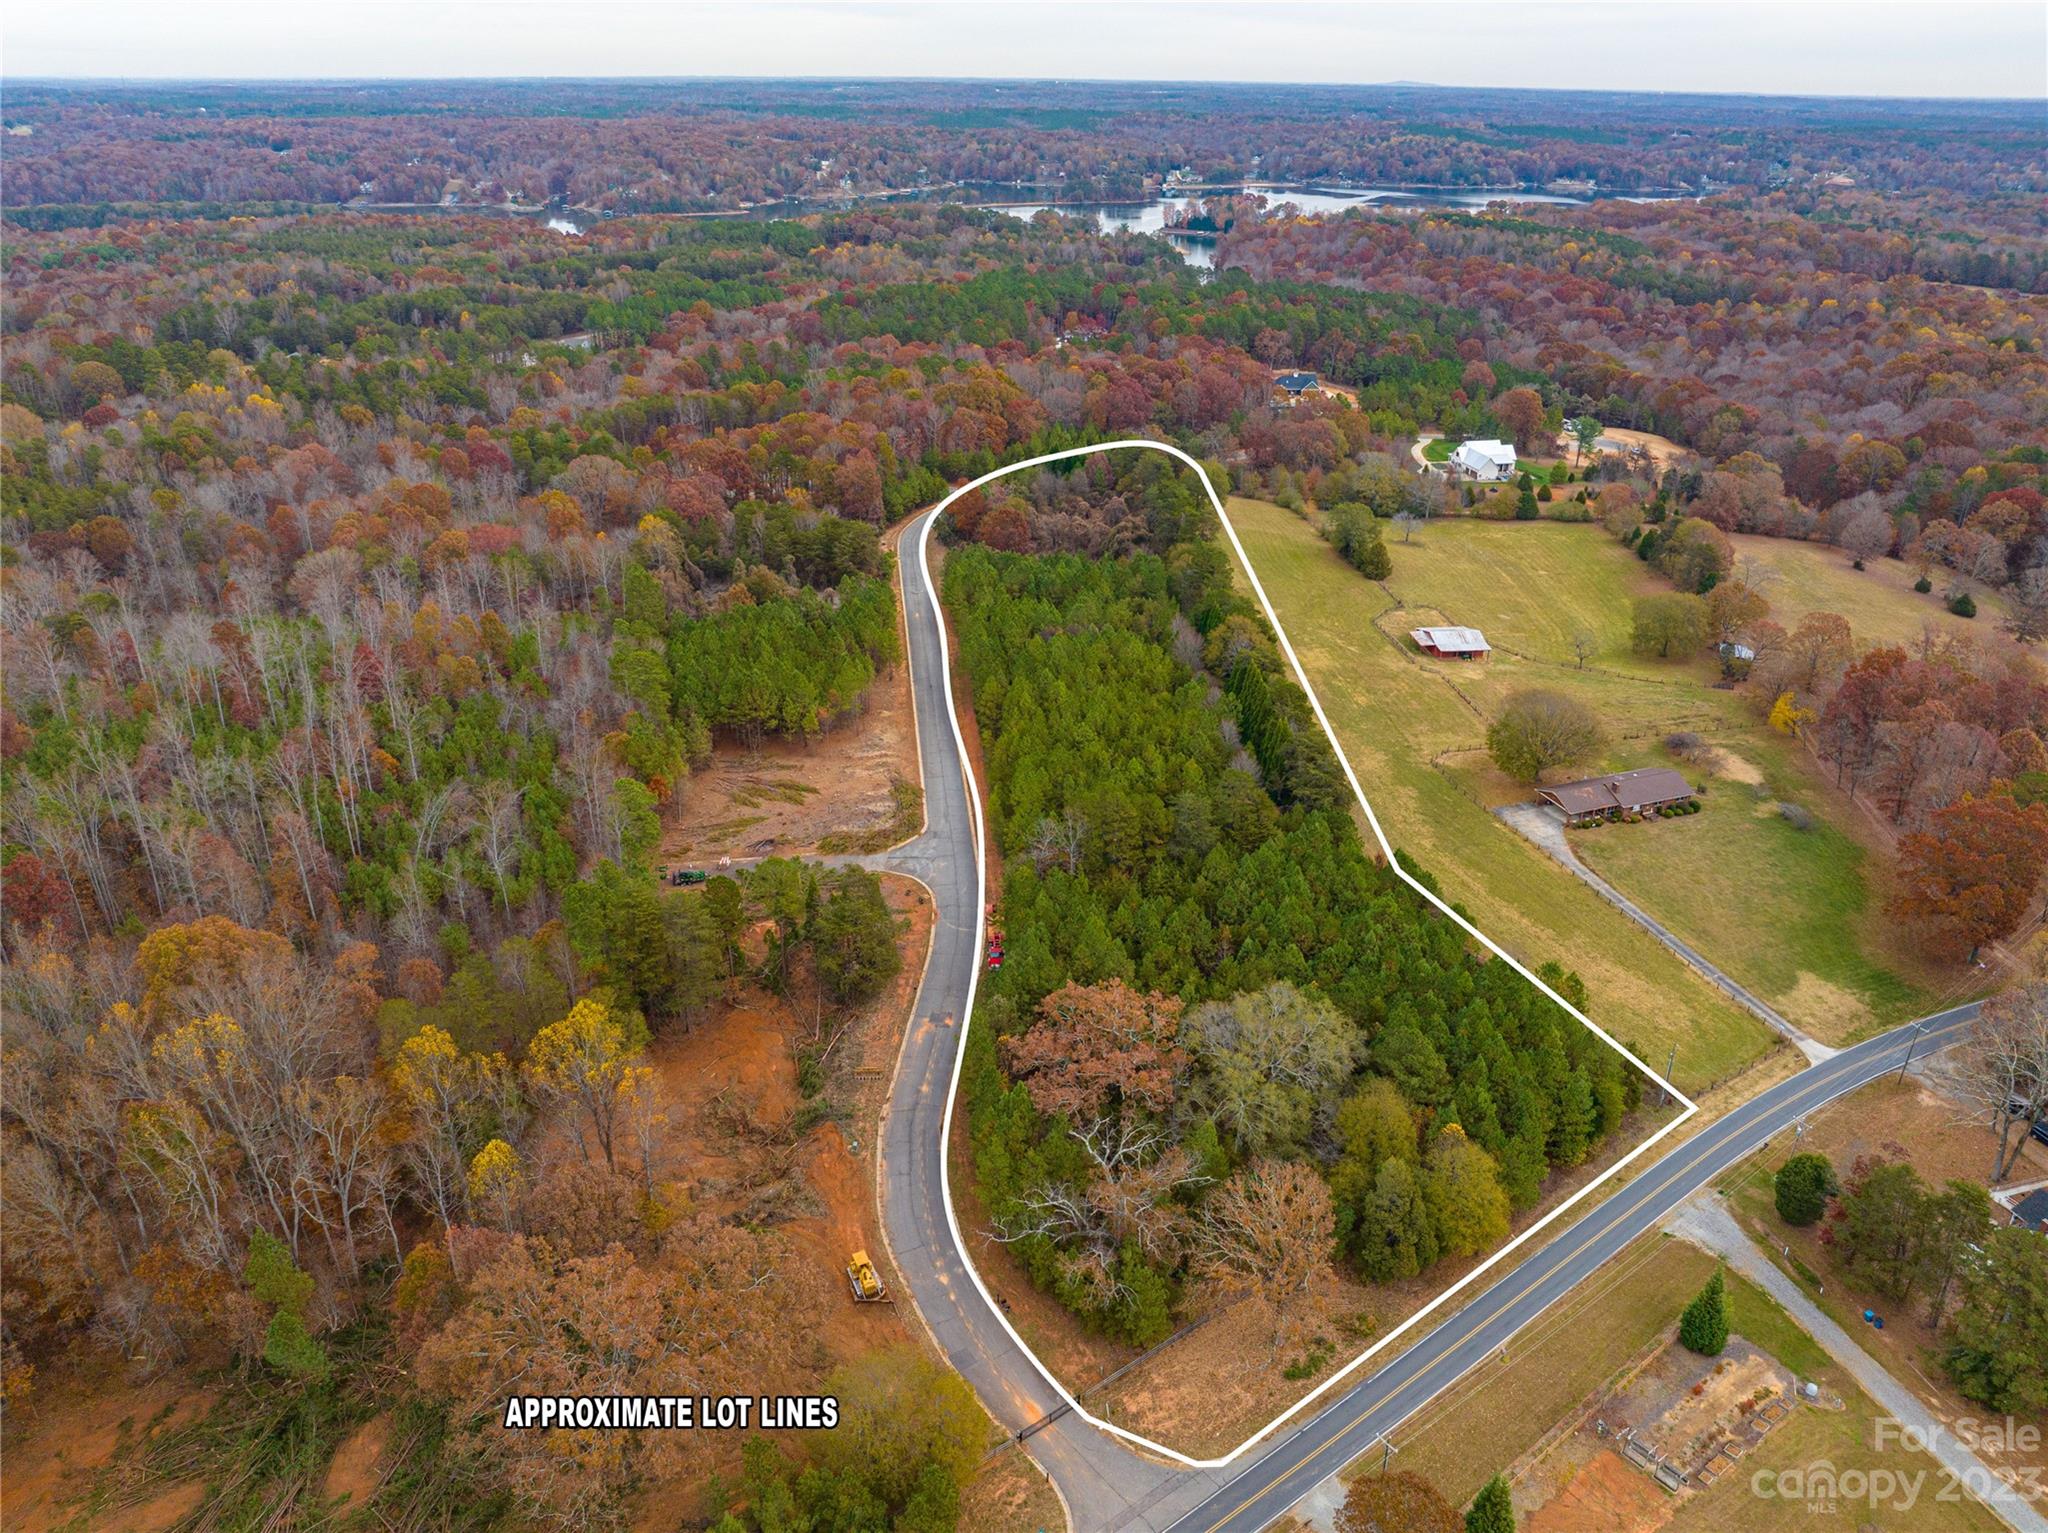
1136 218
1149 216
1200 249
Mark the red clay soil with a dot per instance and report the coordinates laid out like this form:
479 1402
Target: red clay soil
165 1509
75 1424
358 1467
739 1068
1605 1496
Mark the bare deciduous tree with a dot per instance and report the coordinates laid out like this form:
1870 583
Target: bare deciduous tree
1998 1069
1268 1232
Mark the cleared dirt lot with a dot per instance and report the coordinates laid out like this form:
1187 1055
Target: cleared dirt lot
786 799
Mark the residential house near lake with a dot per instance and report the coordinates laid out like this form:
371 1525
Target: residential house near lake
1486 460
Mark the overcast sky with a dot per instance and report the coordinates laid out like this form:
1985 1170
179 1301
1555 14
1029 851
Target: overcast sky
1792 46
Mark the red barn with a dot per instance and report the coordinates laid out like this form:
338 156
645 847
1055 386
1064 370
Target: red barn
1451 643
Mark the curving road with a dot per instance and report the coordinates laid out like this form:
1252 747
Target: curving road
1104 1483
1098 1478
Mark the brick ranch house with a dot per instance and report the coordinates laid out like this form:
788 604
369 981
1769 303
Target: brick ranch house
1451 643
1640 792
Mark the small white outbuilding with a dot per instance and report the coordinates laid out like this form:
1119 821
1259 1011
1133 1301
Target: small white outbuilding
1485 460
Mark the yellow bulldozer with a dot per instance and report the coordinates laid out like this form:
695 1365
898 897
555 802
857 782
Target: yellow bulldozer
864 1280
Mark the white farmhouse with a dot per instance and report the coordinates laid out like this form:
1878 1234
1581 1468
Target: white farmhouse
1485 460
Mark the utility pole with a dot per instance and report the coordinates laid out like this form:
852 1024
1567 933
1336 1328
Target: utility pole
1910 1042
1671 1063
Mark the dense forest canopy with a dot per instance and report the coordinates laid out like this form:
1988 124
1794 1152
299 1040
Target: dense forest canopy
1295 999
701 145
376 588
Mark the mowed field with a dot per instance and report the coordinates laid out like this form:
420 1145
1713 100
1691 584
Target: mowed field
1793 915
1878 600
1414 732
1796 915
1514 1412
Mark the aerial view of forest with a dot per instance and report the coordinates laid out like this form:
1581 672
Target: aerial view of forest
470 871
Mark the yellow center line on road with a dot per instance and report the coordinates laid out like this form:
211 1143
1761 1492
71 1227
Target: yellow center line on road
1695 1151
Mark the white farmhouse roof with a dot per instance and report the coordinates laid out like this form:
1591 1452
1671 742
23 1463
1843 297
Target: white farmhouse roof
1498 453
1459 640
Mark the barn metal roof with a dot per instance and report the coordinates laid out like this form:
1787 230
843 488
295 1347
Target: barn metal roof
1466 639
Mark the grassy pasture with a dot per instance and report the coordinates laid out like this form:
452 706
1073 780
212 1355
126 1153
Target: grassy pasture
1878 600
1791 913
1415 729
1795 915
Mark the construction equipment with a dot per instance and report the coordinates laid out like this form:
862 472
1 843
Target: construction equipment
678 877
864 1280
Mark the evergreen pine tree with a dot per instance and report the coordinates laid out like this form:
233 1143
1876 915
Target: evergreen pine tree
1803 1186
275 1279
290 1348
1493 1510
1704 1325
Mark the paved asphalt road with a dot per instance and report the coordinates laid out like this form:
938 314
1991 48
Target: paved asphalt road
1099 1479
1105 1484
1284 1473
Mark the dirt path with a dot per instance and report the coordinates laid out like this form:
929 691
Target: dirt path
1541 825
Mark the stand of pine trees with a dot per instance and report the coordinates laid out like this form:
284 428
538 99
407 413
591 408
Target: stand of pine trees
1142 847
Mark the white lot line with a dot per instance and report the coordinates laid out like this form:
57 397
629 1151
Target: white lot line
1393 862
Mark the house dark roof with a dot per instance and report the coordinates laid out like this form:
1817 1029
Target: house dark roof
1620 790
2032 1210
1294 383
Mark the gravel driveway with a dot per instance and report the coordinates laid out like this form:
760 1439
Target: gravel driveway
1544 825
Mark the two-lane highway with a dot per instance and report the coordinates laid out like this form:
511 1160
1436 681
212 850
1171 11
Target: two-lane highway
1284 1473
1104 1482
